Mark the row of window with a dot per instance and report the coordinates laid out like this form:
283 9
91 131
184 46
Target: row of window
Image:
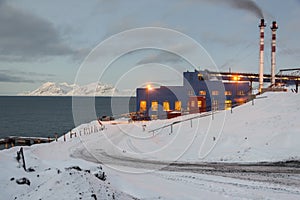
177 106
215 104
154 106
216 93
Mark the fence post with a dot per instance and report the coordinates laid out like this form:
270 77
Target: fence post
191 123
23 158
171 128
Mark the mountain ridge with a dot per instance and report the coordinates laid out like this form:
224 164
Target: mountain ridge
65 89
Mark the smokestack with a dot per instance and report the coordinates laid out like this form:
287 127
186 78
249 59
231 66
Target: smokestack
274 27
261 26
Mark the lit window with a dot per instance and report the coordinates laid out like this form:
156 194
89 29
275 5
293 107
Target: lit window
228 104
199 104
166 106
202 92
215 92
143 106
228 93
154 106
200 77
241 93
178 105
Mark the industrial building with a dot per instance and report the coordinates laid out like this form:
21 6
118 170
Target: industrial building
201 91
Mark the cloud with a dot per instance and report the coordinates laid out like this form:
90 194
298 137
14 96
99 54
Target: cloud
16 76
290 51
160 57
26 36
13 79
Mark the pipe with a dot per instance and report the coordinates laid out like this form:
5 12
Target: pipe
274 27
261 54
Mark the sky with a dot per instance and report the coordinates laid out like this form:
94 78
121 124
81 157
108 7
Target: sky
108 40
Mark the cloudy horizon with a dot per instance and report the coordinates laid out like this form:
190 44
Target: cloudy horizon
48 41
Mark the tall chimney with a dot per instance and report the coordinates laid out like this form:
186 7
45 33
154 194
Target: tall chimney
274 27
261 26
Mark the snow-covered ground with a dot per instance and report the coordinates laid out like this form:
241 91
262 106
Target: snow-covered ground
136 157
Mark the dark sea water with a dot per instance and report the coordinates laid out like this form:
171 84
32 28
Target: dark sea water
44 116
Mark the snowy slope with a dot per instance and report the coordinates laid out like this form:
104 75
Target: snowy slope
65 89
265 131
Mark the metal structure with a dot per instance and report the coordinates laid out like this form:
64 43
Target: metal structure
281 77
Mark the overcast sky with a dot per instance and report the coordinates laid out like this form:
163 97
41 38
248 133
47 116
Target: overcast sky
44 41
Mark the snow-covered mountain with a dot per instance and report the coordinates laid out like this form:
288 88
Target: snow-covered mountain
65 89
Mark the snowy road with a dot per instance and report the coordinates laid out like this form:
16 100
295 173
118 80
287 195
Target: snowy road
258 179
278 172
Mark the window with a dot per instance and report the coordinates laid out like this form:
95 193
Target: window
228 104
215 92
154 117
241 93
215 105
190 93
202 92
228 93
143 106
178 105
199 104
192 104
166 106
154 105
200 77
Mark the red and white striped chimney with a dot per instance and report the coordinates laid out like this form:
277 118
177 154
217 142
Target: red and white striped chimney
261 26
274 27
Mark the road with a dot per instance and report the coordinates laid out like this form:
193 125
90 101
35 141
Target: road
283 173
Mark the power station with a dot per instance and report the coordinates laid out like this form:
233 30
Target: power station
205 90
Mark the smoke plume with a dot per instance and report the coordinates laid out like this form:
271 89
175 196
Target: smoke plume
247 5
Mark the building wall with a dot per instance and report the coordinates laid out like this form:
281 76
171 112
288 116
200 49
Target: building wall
217 94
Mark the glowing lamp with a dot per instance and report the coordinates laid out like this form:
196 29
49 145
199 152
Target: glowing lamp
149 87
236 78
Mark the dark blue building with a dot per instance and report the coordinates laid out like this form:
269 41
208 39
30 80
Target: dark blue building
201 92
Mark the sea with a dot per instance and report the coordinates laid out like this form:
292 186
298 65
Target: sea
41 116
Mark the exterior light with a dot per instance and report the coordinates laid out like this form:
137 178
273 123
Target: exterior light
236 78
149 87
